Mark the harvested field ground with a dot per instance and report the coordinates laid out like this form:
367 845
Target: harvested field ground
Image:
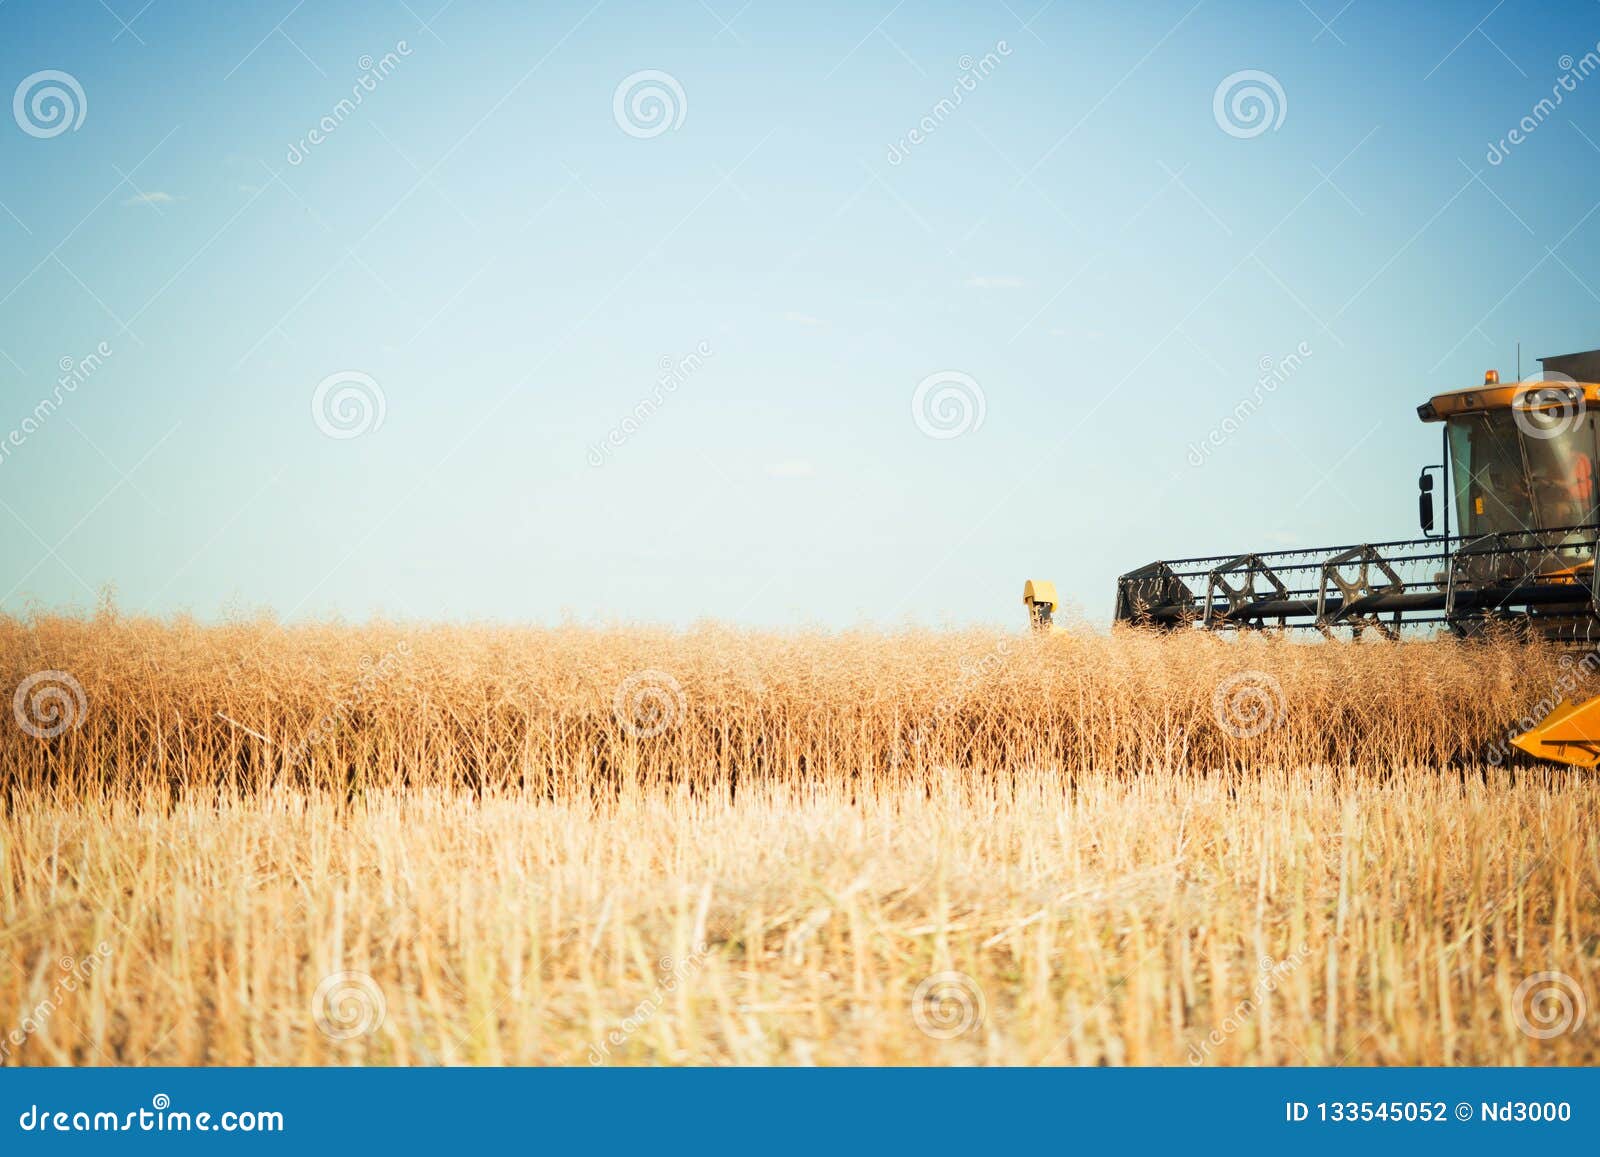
252 844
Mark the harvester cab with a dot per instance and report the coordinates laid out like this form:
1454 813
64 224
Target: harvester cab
1509 537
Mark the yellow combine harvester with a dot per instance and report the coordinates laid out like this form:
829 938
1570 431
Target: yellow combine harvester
1520 464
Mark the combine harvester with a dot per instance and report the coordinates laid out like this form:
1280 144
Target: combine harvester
1520 464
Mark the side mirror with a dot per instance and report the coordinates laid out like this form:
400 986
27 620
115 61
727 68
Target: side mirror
1425 502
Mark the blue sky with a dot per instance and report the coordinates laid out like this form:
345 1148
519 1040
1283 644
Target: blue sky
505 253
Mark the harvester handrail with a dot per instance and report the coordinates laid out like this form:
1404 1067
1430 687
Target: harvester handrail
1444 547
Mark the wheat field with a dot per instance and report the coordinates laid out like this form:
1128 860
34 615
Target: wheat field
390 844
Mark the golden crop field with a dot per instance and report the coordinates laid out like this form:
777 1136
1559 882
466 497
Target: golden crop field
395 845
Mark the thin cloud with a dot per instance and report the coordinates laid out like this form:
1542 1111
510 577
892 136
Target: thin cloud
155 197
799 468
991 281
801 318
